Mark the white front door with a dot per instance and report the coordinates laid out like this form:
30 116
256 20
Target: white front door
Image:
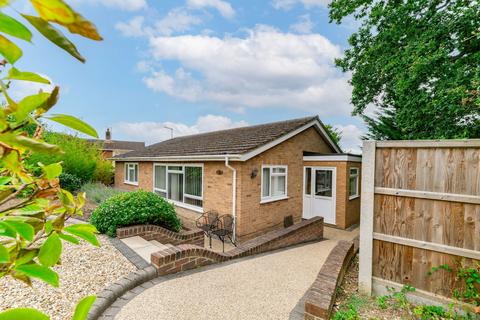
319 193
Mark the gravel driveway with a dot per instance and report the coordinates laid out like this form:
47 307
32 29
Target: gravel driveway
85 270
267 286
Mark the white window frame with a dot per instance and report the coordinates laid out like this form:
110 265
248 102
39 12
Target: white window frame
185 195
357 176
270 198
126 173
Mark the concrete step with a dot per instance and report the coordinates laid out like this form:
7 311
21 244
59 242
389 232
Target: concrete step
160 246
142 247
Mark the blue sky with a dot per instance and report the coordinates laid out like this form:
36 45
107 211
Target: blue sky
200 65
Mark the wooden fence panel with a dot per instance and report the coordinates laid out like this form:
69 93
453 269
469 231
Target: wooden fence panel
420 209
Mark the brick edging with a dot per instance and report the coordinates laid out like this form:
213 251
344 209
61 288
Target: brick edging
114 291
321 295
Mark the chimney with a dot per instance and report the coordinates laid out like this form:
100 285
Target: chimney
108 134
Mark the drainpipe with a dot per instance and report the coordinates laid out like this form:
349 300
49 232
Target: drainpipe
234 196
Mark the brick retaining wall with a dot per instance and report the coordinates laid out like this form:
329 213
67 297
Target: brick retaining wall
321 295
162 235
187 256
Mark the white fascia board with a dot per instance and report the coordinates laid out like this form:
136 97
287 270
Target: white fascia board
265 147
340 157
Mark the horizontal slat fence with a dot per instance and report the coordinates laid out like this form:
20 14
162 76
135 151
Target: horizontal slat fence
420 209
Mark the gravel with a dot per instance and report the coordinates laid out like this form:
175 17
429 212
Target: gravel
85 270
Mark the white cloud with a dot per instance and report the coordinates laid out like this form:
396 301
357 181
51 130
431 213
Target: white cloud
223 7
289 4
128 5
267 68
304 25
153 132
21 89
351 141
177 20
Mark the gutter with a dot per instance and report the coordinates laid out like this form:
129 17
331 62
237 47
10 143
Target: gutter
234 196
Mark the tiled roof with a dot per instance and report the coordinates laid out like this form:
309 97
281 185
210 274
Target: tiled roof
118 144
232 142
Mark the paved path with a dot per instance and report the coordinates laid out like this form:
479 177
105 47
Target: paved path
267 286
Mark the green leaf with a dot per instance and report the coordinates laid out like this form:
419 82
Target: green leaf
14 28
74 123
9 50
23 314
4 255
29 104
25 230
54 35
68 238
25 256
83 307
41 272
84 231
14 140
15 74
5 180
52 170
7 231
50 251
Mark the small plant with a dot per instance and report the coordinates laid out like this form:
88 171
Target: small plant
382 302
70 182
351 310
132 208
98 192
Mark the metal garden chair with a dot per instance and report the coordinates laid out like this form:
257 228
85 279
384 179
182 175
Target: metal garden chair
224 229
207 222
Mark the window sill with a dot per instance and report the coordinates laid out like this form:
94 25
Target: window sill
131 183
268 200
185 206
354 197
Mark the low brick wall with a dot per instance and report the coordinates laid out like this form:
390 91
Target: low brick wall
321 295
186 256
162 235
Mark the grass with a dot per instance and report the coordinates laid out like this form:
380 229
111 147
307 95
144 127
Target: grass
98 192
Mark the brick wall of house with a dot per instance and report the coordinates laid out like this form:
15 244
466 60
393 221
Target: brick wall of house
254 218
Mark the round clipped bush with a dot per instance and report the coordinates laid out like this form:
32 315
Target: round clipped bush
70 182
133 208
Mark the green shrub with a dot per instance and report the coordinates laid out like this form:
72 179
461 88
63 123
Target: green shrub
104 172
132 208
98 192
70 182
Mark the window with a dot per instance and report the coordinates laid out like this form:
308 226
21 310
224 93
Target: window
131 173
274 183
353 183
308 181
323 183
181 184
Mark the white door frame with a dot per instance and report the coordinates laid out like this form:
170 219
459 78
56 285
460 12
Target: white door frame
312 188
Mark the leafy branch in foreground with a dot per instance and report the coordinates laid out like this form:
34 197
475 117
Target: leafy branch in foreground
34 209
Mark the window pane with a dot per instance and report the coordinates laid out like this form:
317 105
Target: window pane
266 182
308 181
353 171
353 186
175 168
161 193
278 186
278 170
160 177
323 183
175 186
193 181
194 202
135 173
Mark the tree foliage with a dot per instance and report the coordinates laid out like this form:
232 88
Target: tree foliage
33 224
334 133
418 62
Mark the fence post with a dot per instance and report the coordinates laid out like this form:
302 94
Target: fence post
366 218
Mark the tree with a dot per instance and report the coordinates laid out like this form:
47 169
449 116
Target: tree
334 133
34 208
418 62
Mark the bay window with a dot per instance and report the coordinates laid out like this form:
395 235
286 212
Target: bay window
180 183
274 183
131 173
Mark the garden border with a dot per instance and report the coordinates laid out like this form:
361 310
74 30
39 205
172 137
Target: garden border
320 297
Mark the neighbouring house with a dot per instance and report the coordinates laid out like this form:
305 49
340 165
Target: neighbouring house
264 175
111 148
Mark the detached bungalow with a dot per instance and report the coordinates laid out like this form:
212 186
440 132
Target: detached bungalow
264 175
